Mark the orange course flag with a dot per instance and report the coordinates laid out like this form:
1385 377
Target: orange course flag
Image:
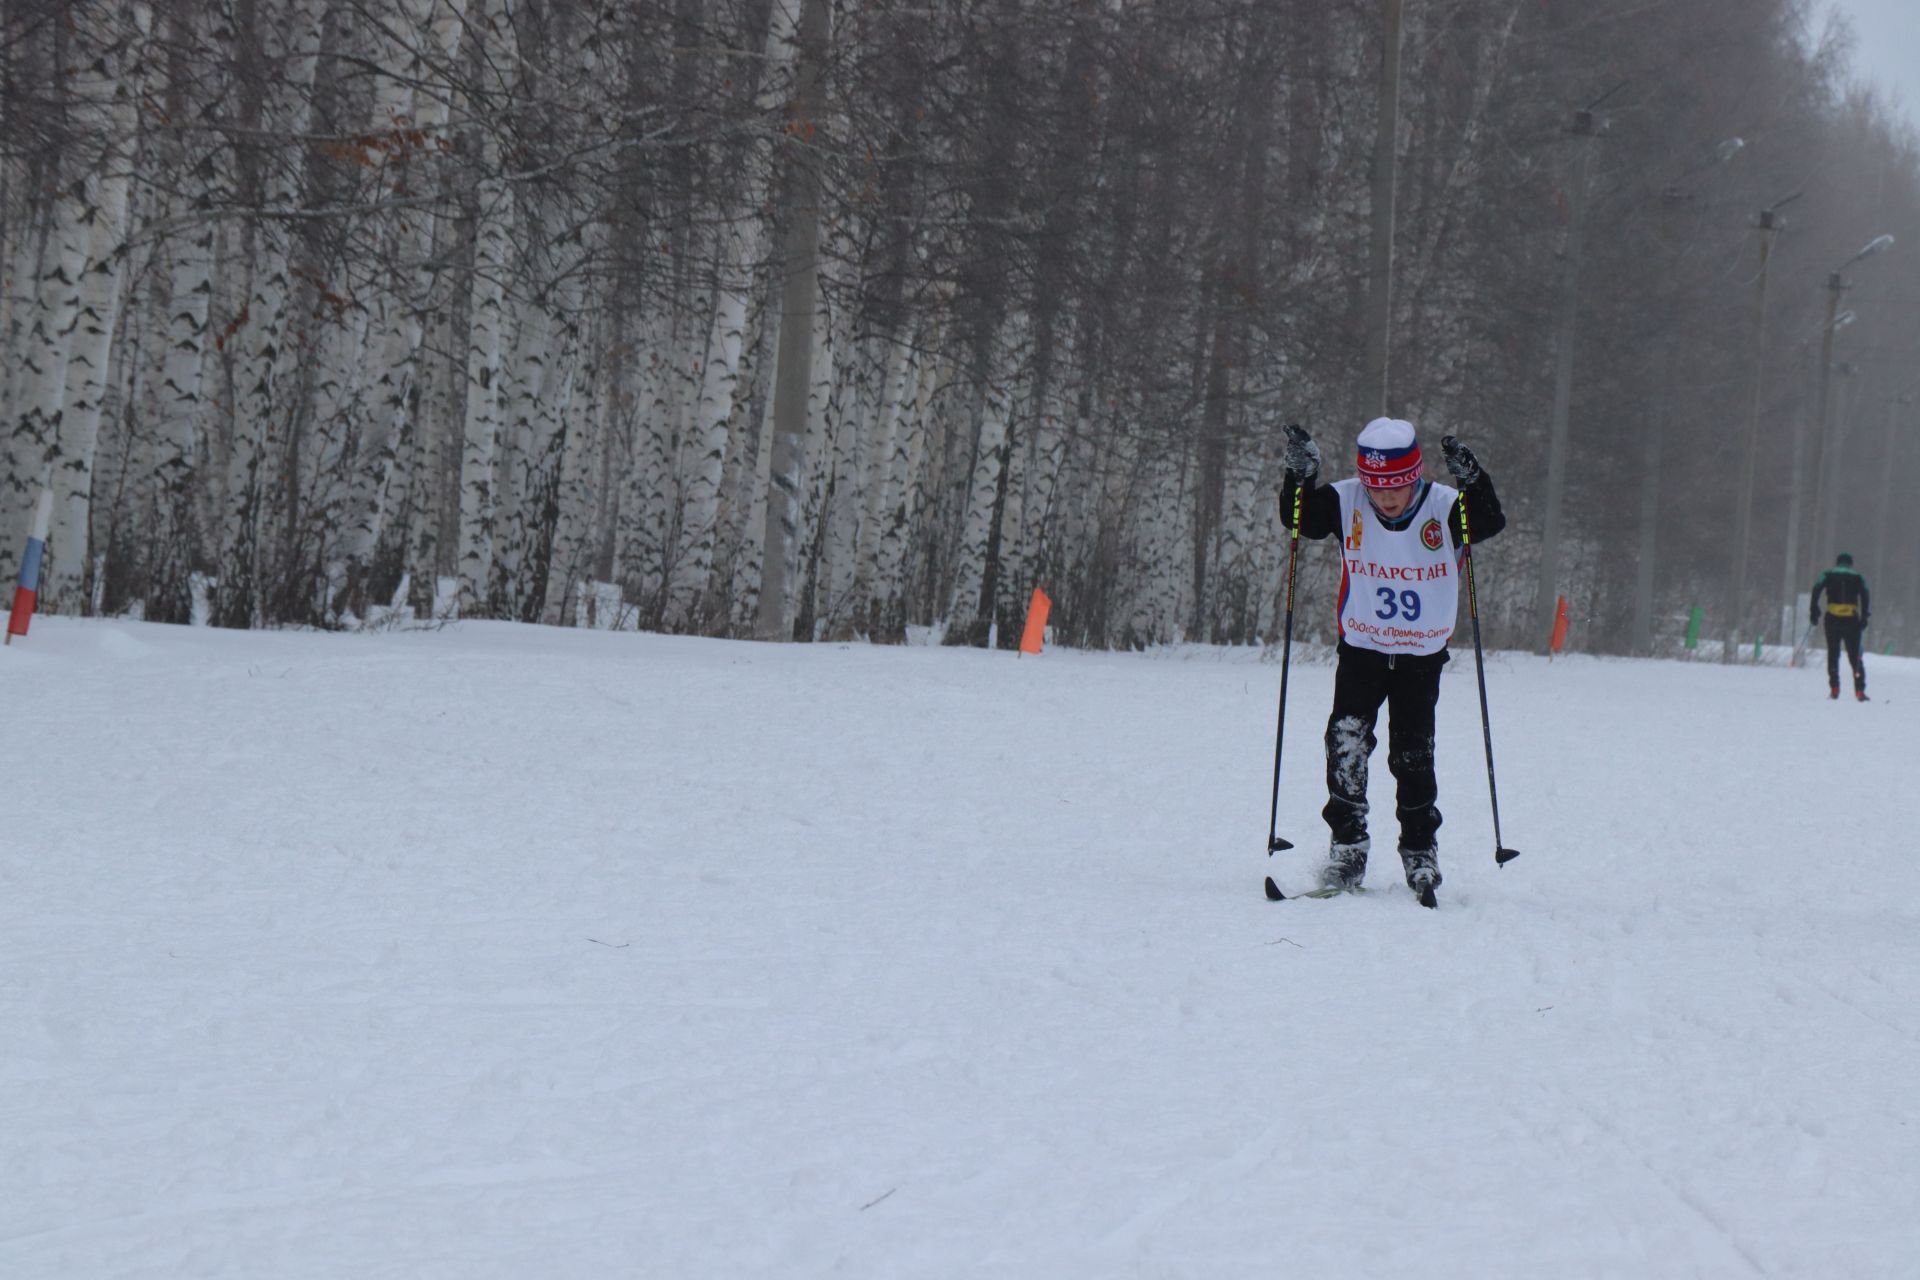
1559 641
1036 632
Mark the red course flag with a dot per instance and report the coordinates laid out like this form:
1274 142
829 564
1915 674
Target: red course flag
1559 641
28 591
1036 631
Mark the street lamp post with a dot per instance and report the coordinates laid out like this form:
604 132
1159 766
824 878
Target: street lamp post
1826 489
1743 535
1836 284
1826 486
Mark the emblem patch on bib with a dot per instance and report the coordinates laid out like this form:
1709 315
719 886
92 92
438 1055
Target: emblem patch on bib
1430 535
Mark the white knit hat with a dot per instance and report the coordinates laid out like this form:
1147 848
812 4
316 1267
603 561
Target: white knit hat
1388 454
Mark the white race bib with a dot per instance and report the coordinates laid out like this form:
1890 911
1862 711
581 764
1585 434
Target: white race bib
1399 588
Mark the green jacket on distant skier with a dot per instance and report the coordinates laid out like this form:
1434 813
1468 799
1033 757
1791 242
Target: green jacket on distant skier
1846 593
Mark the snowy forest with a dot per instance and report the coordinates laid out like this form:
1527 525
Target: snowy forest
821 319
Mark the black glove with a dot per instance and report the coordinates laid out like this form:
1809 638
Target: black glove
1302 456
1813 617
1460 460
1864 620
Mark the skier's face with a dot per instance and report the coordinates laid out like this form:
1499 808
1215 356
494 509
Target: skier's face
1392 503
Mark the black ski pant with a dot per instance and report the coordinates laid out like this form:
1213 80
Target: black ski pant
1844 631
1409 685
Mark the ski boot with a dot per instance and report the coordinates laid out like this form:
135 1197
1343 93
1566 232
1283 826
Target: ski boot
1833 691
1860 695
1346 866
1423 873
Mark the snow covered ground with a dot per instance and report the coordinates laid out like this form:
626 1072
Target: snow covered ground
498 951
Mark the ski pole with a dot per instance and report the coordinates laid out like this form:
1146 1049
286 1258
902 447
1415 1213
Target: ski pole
1501 854
1274 841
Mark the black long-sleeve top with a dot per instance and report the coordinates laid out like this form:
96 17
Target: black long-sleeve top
1320 511
1845 589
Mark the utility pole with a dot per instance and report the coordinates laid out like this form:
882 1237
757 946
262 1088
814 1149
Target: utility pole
1826 507
1790 589
1373 392
1585 131
1743 522
1836 284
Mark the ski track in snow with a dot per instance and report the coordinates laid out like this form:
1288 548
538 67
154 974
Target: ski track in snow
501 951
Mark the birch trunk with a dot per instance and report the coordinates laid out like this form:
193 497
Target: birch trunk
432 493
861 440
415 122
487 318
112 43
793 372
905 499
969 609
711 414
524 381
649 491
259 402
31 448
881 481
581 452
486 324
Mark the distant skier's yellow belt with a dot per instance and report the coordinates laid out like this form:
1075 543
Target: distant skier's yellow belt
1842 610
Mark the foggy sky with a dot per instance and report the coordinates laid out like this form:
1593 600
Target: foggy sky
1887 48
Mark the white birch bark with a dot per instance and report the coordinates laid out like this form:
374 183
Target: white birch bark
1046 461
487 327
434 481
643 552
48 321
416 122
870 374
172 461
965 608
881 477
524 383
733 538
904 499
108 86
747 576
794 363
486 324
826 410
263 359
711 417
580 463
28 237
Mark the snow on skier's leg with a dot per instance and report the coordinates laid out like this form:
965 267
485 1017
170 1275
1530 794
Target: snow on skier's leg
1349 742
1359 687
1357 693
1410 730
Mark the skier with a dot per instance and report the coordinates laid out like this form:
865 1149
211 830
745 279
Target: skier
1401 539
1847 615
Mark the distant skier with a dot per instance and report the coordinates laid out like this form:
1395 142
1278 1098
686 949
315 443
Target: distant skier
1846 614
1399 592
